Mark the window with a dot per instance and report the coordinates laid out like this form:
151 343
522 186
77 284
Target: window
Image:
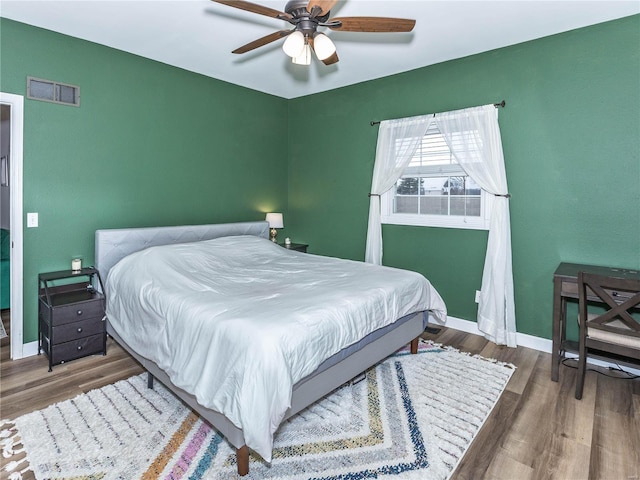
55 92
435 191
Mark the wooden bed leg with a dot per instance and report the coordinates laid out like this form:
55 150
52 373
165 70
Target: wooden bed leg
242 459
414 345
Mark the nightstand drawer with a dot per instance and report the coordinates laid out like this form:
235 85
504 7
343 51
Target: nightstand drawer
74 312
81 347
76 330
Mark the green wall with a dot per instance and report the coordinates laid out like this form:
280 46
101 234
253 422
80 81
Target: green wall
155 145
150 145
571 139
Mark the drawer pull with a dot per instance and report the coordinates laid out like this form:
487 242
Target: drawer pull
79 312
79 347
79 329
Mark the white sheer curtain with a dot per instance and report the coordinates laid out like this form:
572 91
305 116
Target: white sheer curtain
473 136
397 142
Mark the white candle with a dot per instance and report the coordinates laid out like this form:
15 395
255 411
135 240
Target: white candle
76 264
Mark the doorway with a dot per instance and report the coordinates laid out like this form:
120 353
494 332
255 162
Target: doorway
11 144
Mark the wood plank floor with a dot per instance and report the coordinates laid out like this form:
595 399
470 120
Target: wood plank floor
537 430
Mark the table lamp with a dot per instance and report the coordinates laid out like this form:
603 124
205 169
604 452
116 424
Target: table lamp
275 221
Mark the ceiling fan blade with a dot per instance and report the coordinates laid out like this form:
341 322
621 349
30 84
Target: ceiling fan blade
272 37
252 7
332 59
324 5
372 24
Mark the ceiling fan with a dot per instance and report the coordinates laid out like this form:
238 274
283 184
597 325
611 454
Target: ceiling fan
306 17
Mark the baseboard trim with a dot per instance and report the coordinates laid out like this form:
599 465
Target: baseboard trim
523 340
530 341
29 349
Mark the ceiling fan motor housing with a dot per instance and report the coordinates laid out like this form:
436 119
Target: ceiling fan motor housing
296 7
305 22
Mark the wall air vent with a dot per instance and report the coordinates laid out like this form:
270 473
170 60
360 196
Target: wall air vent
55 92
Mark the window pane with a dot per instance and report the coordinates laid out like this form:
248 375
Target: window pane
473 206
462 186
406 205
471 187
42 90
66 94
465 206
433 185
409 186
455 185
434 205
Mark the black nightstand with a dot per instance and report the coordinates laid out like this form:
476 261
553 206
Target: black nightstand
71 315
298 247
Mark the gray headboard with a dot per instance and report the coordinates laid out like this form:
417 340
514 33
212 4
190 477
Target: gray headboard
114 244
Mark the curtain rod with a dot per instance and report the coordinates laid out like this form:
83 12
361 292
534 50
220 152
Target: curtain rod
501 104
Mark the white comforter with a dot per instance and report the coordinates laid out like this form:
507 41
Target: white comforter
237 321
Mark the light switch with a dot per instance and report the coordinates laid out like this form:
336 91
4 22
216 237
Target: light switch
32 220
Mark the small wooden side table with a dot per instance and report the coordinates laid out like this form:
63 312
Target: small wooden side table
298 247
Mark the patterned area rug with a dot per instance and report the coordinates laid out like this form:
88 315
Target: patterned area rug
412 417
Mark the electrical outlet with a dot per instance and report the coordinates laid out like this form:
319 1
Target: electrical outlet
32 220
477 296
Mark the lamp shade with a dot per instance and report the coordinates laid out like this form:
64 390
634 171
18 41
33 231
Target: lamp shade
275 220
294 44
323 46
305 57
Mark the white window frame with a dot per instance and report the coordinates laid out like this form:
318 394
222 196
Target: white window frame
480 222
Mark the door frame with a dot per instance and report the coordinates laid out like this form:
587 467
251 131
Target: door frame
16 102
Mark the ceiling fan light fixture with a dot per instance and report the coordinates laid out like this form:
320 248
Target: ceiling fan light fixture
294 45
305 57
323 46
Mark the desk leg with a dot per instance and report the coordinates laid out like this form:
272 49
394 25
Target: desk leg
558 327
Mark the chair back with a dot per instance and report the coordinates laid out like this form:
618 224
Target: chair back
610 309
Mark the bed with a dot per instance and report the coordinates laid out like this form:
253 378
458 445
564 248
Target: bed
262 337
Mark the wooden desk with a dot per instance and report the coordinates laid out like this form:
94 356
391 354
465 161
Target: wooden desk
565 287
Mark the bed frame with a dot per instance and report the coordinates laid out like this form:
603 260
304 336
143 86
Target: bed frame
113 245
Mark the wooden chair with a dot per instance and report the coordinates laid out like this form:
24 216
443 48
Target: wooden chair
609 315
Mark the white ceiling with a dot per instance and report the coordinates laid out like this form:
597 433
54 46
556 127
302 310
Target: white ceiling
199 35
